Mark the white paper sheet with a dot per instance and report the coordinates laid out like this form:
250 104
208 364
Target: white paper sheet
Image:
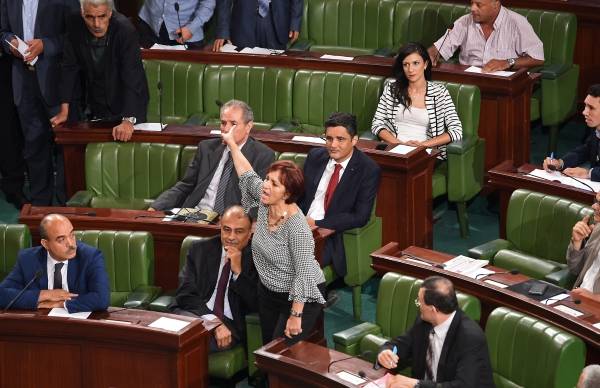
228 48
178 47
568 310
418 261
309 139
497 284
351 378
554 299
61 312
22 48
115 321
565 180
260 51
156 127
337 57
596 325
475 69
169 324
402 149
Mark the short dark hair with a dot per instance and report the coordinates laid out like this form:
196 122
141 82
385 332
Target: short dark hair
342 119
439 293
594 90
291 178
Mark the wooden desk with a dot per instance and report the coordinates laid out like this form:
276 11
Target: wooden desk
403 201
167 235
505 101
41 351
389 258
306 364
506 178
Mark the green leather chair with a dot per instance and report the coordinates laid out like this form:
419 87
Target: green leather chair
395 313
538 230
530 353
127 175
129 261
13 238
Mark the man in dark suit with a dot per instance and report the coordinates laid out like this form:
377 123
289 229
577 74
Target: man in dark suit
64 273
589 152
35 78
444 347
201 187
340 184
102 45
220 281
262 23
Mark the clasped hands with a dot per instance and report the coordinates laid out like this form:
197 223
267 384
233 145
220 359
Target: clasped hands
36 47
54 298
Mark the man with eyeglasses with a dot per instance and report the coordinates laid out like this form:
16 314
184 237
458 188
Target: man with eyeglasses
444 347
340 185
583 255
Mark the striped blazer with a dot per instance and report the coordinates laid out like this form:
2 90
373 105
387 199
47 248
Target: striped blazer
440 109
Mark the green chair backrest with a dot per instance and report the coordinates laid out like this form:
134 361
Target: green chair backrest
419 21
131 170
187 155
181 89
541 224
350 23
318 93
13 238
128 257
527 352
297 158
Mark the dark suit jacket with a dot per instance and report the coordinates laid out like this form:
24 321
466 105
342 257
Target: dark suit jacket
464 361
189 191
86 277
125 79
200 280
352 200
236 20
588 152
50 27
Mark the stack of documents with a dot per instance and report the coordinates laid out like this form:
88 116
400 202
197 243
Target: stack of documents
565 180
468 266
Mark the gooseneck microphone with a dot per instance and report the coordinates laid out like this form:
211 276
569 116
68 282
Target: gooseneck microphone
363 375
363 356
482 275
437 56
176 5
35 277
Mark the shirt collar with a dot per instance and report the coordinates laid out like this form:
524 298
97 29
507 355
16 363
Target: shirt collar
54 262
500 18
442 329
344 164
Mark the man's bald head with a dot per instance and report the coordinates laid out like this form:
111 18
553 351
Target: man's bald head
439 292
58 237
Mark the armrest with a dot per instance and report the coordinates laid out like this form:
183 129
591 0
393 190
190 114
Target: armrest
489 249
384 52
554 71
563 278
141 296
368 135
301 45
462 146
81 198
354 334
161 303
199 118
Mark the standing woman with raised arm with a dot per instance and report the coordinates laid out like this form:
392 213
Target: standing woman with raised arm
292 286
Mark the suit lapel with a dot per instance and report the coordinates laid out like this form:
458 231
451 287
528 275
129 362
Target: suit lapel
448 342
213 262
18 29
43 260
72 273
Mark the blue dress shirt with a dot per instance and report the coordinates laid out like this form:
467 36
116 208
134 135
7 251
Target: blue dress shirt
193 14
29 15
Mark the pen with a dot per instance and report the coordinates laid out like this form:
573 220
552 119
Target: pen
395 350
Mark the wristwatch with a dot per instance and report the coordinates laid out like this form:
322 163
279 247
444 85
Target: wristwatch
511 62
295 313
132 119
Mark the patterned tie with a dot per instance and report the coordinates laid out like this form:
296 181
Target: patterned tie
58 276
429 357
218 310
263 7
220 198
333 182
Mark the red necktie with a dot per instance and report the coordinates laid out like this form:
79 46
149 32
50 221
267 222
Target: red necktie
333 182
219 307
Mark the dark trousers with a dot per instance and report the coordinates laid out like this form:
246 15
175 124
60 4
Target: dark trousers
266 36
212 343
274 311
39 150
149 38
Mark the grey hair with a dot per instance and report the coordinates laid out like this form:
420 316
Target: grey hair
247 113
591 378
110 3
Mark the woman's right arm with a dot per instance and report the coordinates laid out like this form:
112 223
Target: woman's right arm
382 126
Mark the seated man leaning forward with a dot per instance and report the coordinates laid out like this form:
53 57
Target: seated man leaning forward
588 152
491 37
209 183
220 281
464 361
340 185
583 254
62 272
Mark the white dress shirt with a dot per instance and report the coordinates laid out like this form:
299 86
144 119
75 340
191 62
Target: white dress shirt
590 276
50 262
437 344
317 207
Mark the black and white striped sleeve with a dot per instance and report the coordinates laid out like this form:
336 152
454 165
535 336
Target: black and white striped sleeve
383 118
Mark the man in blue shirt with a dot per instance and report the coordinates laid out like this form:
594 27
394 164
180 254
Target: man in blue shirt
171 22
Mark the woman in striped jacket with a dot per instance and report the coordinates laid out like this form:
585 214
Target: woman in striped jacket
413 110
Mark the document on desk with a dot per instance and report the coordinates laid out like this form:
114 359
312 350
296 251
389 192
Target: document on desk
337 57
155 127
351 378
309 139
261 51
596 325
169 324
61 312
467 266
402 149
475 69
228 48
568 310
178 47
565 180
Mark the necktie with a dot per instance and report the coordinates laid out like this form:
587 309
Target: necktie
58 276
220 197
429 357
219 307
263 7
333 182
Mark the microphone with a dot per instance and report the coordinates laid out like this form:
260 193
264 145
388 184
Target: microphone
512 272
437 57
362 356
35 277
159 86
363 375
176 5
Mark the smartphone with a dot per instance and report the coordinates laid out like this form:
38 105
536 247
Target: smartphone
538 289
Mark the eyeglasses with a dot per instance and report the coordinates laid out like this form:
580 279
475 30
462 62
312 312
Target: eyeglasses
417 303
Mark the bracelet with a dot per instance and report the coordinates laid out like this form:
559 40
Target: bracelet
295 313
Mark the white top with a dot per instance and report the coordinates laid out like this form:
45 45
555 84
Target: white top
590 276
50 262
317 207
437 342
211 302
412 123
